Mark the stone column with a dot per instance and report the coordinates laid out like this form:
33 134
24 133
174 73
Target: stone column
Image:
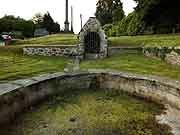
66 23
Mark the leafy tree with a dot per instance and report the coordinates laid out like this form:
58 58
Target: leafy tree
161 15
109 11
12 24
46 21
37 18
56 27
117 12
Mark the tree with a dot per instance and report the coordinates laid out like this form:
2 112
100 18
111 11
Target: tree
16 24
47 22
159 14
37 18
117 12
109 11
56 27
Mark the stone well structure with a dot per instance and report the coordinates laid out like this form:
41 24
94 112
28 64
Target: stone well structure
93 41
16 96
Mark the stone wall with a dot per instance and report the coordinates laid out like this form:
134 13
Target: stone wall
15 96
72 50
121 50
18 95
173 58
169 54
66 51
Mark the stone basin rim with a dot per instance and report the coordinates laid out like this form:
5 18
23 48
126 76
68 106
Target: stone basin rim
17 95
10 86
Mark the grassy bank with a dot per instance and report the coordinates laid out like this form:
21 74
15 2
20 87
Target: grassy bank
56 39
15 65
135 63
105 113
70 39
147 40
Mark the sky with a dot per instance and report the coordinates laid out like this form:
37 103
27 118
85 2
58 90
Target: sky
27 8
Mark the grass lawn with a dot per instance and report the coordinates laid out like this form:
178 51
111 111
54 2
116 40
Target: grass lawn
105 113
147 40
70 39
135 63
56 39
15 65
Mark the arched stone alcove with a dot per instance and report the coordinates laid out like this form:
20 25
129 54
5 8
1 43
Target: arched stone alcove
93 41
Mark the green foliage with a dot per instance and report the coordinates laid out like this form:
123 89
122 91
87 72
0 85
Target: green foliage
124 24
15 65
107 29
49 24
129 25
111 30
135 63
135 26
117 12
11 24
16 34
155 40
149 17
28 29
109 11
54 39
161 16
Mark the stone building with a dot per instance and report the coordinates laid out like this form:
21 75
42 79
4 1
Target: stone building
92 40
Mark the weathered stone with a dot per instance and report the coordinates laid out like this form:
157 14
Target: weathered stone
173 58
172 118
17 95
50 51
93 26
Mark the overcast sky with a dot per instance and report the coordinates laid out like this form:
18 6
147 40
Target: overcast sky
27 8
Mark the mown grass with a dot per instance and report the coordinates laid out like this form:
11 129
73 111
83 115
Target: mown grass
15 65
70 39
135 63
146 40
90 112
56 39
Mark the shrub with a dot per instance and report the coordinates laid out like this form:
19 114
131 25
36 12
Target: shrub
16 34
111 29
135 26
108 29
124 23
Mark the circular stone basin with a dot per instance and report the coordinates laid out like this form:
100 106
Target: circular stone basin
90 112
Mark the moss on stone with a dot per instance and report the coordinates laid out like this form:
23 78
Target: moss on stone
90 112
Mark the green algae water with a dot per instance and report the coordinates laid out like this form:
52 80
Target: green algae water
89 112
